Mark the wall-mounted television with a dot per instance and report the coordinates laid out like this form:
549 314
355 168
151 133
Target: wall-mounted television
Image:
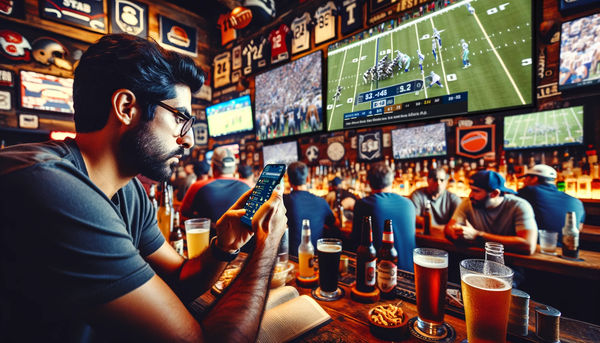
579 58
285 153
375 77
288 99
46 92
544 129
419 141
229 117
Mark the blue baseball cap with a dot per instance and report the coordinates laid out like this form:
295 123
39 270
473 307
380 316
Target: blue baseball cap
489 180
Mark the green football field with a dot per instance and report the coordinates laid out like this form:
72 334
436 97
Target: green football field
548 128
500 75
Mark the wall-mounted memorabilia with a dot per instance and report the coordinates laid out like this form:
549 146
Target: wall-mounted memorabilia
14 46
279 45
178 37
336 151
325 23
201 133
236 58
351 15
254 55
475 141
29 121
49 51
222 69
387 139
312 153
5 100
301 33
87 14
228 33
7 78
13 8
128 16
369 146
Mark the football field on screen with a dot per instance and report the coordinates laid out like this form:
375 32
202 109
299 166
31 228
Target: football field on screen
548 128
499 39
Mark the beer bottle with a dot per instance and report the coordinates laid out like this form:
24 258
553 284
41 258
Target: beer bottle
366 259
164 213
494 252
387 262
427 218
570 238
339 208
176 238
306 252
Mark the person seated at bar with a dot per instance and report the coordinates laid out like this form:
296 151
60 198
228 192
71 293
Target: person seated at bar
211 198
550 205
382 204
345 197
443 202
82 257
493 213
301 204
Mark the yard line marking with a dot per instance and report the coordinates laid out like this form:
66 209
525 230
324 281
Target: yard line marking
356 80
537 117
556 126
499 59
339 81
442 61
576 120
422 74
567 125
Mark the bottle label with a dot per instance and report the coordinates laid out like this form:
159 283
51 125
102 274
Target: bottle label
571 242
178 246
388 237
370 273
386 276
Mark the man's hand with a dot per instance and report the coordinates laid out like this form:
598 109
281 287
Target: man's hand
469 232
232 234
455 231
269 221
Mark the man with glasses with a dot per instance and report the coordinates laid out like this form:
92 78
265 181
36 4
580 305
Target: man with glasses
82 257
443 202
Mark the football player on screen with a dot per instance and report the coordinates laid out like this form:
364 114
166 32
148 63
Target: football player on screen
421 59
434 49
465 54
435 80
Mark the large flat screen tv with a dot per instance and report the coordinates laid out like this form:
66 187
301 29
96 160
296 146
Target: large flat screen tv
288 99
46 92
375 78
579 54
544 129
229 117
285 153
419 141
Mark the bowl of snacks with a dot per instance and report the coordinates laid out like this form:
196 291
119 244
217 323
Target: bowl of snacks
388 322
281 274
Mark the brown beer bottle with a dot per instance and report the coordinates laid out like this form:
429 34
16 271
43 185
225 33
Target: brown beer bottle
366 259
176 237
427 218
387 262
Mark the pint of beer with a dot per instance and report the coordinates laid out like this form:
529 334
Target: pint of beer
486 299
329 251
197 232
431 277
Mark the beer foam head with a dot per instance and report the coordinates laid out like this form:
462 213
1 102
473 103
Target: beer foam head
331 248
486 282
433 262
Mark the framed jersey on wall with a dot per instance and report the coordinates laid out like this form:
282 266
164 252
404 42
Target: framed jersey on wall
301 28
325 23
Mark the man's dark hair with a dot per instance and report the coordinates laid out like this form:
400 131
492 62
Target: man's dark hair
432 174
297 173
380 176
245 171
124 61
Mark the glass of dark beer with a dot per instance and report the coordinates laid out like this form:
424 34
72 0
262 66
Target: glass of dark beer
486 295
329 251
431 277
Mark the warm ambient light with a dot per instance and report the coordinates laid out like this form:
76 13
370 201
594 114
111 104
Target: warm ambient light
61 135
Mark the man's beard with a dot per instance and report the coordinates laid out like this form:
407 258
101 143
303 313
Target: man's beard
480 204
142 153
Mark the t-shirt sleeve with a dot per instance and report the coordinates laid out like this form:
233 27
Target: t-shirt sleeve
455 201
524 216
460 214
78 252
416 199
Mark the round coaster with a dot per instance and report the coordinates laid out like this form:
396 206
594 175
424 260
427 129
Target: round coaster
449 336
316 293
571 258
307 283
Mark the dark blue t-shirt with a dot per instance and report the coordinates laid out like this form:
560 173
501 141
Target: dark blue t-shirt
304 205
550 207
382 206
212 198
66 247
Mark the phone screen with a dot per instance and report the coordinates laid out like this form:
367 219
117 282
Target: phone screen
270 177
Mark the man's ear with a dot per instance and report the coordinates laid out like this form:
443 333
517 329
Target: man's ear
495 193
123 103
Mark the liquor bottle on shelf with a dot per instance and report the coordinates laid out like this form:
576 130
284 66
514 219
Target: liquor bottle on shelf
152 196
387 262
176 238
366 259
427 218
306 253
570 238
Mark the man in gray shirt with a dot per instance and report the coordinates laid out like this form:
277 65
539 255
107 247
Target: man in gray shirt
443 202
490 214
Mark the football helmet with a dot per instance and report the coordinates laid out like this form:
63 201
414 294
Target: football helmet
14 45
48 51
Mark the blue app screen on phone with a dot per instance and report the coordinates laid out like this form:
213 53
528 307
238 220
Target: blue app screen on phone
269 179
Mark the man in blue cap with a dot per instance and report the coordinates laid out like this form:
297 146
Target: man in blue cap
493 213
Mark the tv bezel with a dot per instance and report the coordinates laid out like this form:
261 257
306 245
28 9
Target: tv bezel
245 131
532 89
40 110
419 157
323 109
563 145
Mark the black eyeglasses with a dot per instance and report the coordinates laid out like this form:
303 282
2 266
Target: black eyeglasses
189 120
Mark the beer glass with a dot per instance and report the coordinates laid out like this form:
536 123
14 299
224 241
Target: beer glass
431 277
329 251
197 231
486 296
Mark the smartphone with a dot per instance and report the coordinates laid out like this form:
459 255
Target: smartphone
270 178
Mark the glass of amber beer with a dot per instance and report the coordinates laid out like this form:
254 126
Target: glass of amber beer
486 297
431 277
